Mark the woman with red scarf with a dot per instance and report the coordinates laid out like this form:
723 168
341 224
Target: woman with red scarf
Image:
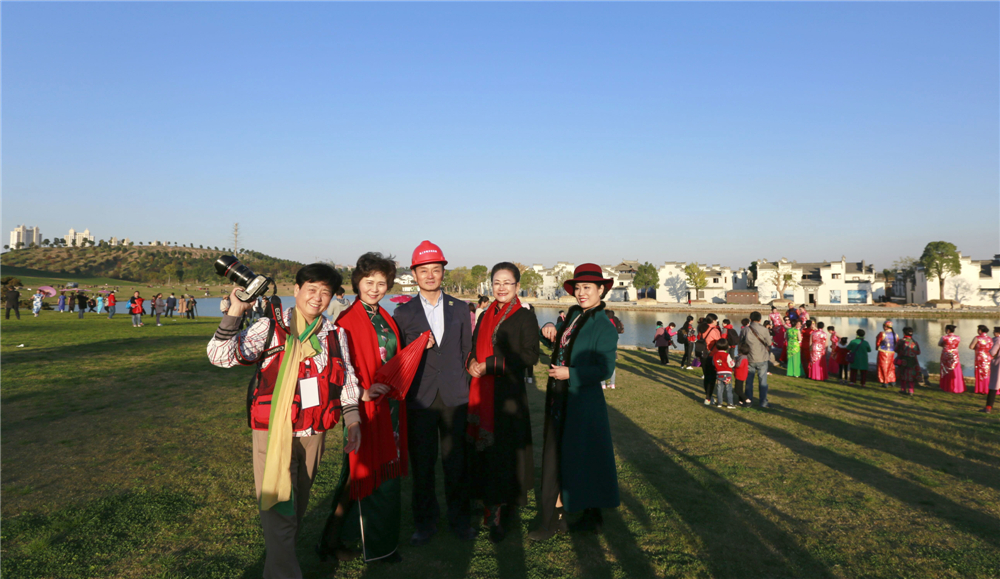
367 501
504 345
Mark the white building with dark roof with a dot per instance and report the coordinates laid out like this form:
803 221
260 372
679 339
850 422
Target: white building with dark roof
978 284
819 283
674 286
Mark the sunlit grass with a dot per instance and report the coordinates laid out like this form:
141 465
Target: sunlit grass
125 454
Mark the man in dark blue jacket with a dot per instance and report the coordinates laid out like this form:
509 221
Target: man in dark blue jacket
438 398
171 304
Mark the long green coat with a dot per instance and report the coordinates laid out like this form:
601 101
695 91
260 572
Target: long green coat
588 475
860 349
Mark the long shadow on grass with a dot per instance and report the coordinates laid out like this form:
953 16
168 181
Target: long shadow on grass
907 450
968 520
716 513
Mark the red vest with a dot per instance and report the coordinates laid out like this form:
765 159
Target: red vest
331 381
721 361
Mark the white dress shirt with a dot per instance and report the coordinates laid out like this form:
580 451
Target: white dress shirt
435 315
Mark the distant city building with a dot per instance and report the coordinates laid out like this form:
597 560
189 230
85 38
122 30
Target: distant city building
978 284
25 236
78 237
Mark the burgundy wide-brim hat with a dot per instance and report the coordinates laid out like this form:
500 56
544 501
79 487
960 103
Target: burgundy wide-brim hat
588 272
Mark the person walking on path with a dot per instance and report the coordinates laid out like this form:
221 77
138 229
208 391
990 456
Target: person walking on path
578 459
171 305
994 371
135 308
91 305
794 364
368 498
759 341
907 350
438 401
858 351
112 302
885 344
982 344
952 379
504 346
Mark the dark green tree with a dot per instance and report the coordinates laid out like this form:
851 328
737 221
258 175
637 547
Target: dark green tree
940 260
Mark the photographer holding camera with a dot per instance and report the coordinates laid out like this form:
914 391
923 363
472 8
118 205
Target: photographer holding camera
304 380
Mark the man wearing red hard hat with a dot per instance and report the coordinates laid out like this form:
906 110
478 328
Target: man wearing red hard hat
438 399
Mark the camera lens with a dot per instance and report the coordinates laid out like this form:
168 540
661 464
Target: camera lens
230 268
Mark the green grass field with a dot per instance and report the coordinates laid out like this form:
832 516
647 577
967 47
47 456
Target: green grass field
125 454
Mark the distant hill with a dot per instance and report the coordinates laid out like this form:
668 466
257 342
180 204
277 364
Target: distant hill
146 264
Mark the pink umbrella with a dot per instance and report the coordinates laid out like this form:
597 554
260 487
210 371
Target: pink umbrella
48 290
400 299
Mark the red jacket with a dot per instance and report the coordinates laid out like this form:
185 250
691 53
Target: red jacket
112 300
723 362
742 368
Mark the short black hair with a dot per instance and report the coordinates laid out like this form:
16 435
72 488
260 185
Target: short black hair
671 325
483 300
319 273
745 322
658 322
744 349
472 307
861 333
339 291
371 263
610 312
983 329
831 328
721 344
843 340
712 317
506 266
949 328
754 316
819 325
996 329
907 331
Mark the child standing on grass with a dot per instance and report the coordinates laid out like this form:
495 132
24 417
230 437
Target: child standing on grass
723 364
859 350
741 367
840 356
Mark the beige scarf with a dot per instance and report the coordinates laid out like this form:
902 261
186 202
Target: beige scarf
302 343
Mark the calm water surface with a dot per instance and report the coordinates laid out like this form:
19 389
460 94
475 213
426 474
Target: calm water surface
640 327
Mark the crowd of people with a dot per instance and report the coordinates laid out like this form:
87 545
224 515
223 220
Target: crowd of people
466 400
810 349
81 302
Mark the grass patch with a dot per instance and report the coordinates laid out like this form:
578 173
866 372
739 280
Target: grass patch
125 454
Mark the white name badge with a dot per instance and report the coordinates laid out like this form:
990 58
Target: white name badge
309 389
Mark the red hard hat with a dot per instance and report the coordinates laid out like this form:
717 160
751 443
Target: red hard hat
426 253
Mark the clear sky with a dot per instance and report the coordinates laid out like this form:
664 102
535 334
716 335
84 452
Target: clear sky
527 132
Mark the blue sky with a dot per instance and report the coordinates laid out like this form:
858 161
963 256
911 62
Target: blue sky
711 132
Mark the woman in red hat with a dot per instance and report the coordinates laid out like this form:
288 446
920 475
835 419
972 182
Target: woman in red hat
578 459
504 345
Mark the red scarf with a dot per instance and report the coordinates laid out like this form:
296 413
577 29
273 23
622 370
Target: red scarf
378 459
480 413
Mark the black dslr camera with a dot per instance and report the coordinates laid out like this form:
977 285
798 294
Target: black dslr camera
256 285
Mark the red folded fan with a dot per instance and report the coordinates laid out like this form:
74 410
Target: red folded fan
399 371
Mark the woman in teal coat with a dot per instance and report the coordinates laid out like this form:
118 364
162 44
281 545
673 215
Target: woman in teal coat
578 457
860 349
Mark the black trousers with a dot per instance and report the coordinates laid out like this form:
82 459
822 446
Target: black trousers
664 354
17 311
709 379
555 408
425 426
170 311
688 353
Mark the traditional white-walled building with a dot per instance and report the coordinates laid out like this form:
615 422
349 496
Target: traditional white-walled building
674 287
823 283
25 236
623 274
78 237
405 283
551 289
978 284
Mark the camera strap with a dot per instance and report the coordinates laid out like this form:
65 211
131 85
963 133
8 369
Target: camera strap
273 313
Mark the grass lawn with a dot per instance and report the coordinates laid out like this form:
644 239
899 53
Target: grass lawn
125 454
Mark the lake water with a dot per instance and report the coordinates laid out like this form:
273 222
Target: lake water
640 327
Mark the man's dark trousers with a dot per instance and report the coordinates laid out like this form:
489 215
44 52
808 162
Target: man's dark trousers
16 308
425 426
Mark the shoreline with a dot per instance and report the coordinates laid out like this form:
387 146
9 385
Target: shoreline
865 311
